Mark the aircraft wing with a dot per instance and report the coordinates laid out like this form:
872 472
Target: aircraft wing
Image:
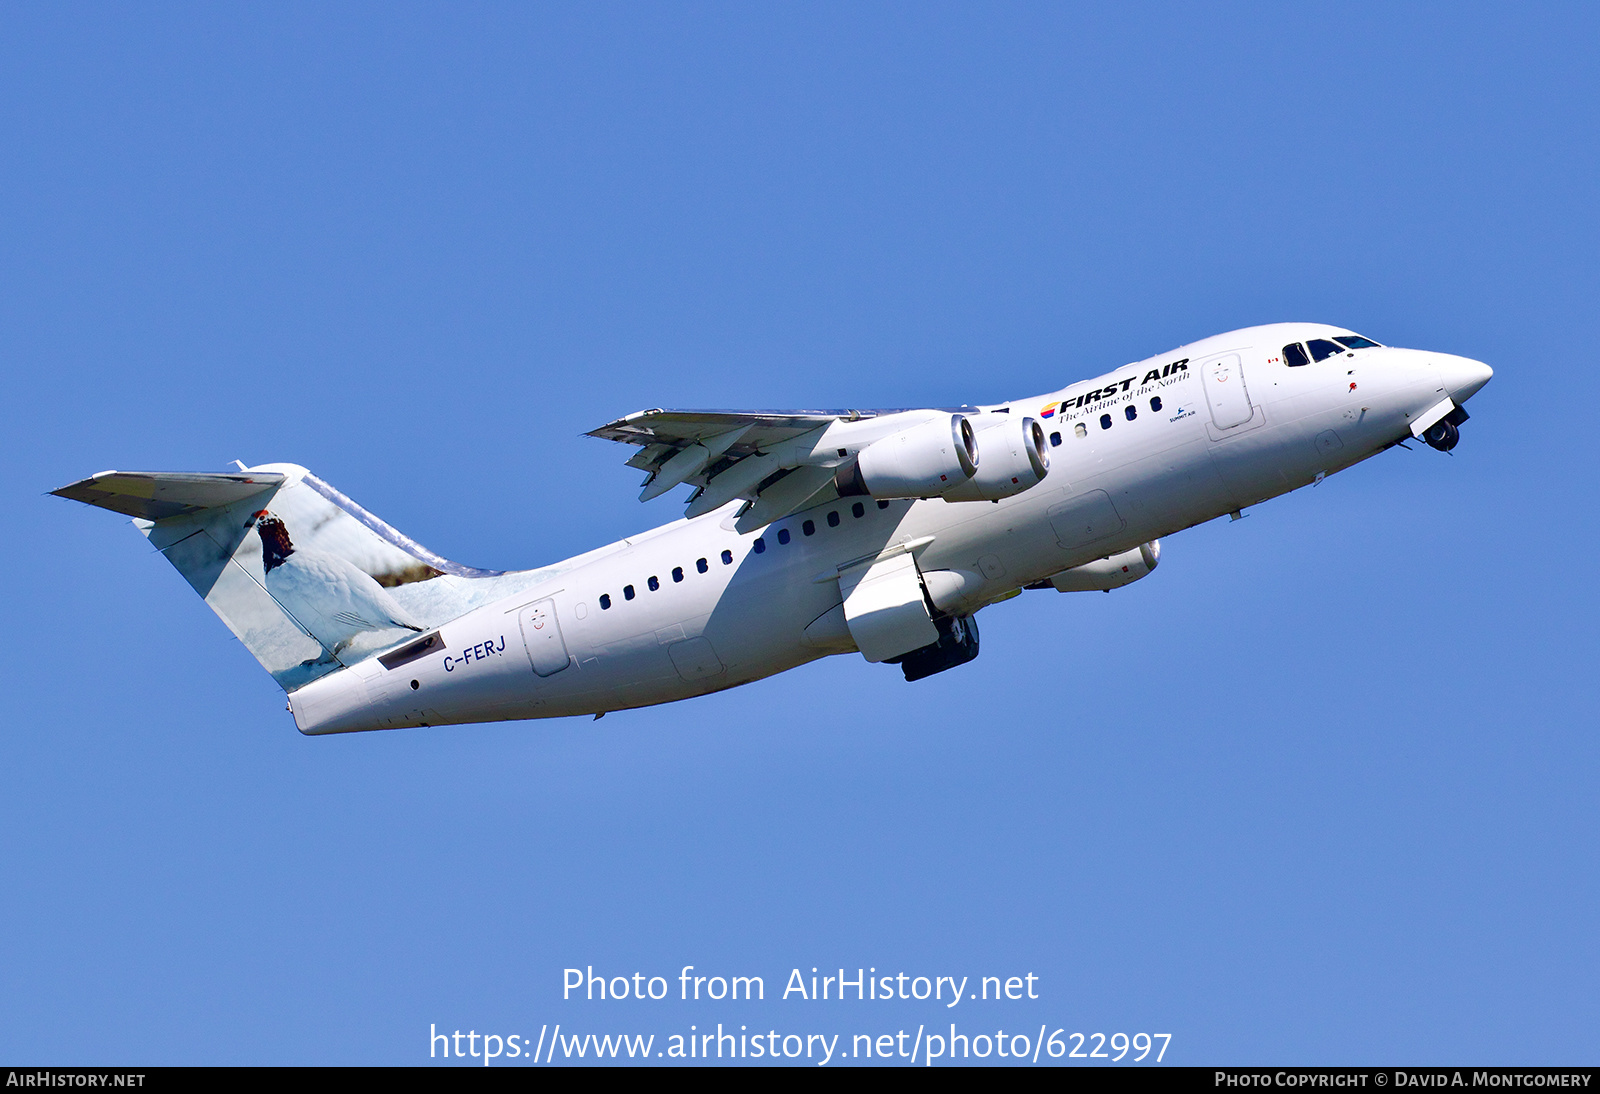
773 458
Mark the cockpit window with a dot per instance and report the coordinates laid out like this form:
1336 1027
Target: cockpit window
1355 341
1294 355
1322 349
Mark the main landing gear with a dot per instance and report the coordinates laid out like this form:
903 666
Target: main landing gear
957 644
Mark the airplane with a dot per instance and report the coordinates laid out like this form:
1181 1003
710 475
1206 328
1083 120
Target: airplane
805 534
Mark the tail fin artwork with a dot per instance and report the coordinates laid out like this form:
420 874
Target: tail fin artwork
307 579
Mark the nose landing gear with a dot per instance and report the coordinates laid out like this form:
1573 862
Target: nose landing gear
1446 432
1442 435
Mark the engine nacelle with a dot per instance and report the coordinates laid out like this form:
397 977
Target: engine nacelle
1015 458
920 462
1109 573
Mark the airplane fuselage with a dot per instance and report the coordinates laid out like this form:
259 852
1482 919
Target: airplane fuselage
697 606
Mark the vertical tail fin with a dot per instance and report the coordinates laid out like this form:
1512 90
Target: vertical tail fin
307 579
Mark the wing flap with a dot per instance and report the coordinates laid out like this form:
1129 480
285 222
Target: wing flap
689 461
799 489
731 454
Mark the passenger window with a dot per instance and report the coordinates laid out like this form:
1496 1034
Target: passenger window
1105 421
858 510
727 558
1355 341
883 505
1155 403
809 527
700 564
783 535
759 545
654 583
1322 349
677 573
833 518
605 602
1080 430
627 592
1294 355
1130 412
1055 440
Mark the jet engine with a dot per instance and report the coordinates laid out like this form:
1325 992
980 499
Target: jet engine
1106 574
1015 458
920 462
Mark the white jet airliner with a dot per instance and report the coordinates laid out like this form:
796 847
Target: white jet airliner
807 533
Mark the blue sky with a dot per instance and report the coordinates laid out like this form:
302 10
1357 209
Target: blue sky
1321 790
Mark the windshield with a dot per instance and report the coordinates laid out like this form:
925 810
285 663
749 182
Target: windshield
1355 341
1322 349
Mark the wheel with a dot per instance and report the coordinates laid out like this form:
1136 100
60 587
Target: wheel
1442 435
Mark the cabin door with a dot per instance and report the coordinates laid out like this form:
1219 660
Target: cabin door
1225 391
541 634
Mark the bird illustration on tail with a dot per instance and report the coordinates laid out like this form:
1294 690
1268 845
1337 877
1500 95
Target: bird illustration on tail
332 598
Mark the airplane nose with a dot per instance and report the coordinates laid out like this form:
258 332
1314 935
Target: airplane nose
1464 377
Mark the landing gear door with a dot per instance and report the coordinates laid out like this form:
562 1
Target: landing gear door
541 635
885 609
1223 378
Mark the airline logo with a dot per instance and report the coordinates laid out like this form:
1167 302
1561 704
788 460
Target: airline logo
1178 370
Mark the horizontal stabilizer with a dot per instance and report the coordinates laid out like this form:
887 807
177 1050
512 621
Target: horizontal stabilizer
157 495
